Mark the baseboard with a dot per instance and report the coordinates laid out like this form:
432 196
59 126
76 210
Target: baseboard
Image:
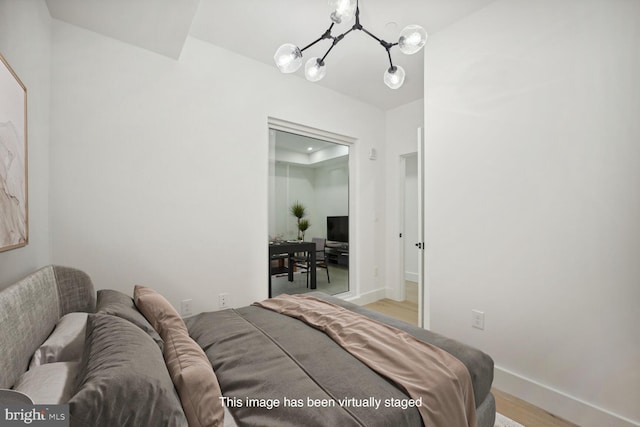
367 297
411 277
556 402
394 294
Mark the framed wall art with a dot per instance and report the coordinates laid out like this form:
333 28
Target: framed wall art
14 221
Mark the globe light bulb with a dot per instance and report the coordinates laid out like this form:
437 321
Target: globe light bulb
314 69
288 58
412 39
394 77
342 10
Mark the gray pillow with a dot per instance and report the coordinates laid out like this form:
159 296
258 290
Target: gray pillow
123 380
118 304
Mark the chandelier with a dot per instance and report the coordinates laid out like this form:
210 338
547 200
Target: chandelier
288 57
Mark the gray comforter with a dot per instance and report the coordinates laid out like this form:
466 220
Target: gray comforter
275 370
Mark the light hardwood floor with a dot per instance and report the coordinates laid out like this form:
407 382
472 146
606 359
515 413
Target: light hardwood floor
403 310
510 406
525 413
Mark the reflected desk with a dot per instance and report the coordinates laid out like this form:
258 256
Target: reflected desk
291 248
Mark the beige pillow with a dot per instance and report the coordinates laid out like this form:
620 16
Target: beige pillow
158 311
51 383
194 379
187 363
66 342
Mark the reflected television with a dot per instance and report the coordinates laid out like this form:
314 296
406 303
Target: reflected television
338 229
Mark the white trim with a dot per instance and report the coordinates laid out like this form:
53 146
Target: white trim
291 127
411 276
557 402
424 311
368 297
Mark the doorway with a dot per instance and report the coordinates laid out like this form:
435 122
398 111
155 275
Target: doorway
412 280
409 218
312 173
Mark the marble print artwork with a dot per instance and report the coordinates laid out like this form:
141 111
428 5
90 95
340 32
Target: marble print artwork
13 186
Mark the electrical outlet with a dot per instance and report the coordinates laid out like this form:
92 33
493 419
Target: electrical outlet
186 308
477 319
223 300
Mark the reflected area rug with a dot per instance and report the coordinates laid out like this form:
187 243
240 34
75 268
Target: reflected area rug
502 421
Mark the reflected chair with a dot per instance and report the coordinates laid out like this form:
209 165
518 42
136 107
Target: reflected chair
281 266
321 258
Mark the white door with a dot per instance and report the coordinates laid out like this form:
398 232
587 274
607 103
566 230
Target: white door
412 241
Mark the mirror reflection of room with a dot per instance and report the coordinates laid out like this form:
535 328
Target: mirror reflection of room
308 202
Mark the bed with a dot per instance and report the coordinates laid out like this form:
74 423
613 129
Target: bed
131 360
264 356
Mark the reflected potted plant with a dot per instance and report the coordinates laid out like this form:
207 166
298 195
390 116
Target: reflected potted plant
303 225
299 211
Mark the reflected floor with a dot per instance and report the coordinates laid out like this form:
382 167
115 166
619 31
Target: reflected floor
339 282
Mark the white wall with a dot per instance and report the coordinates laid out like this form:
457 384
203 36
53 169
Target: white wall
160 167
294 184
533 199
332 195
401 139
322 190
25 42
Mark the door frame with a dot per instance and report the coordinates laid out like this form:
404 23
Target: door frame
423 285
402 193
336 138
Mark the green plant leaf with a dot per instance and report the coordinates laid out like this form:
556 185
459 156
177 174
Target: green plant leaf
297 210
303 225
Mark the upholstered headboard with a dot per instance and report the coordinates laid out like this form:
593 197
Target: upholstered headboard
30 309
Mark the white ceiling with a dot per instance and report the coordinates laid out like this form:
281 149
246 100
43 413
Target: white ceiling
256 28
309 152
298 143
161 26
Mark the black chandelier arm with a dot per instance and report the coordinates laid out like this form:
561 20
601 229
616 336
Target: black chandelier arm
387 46
336 40
356 25
384 43
391 66
325 35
